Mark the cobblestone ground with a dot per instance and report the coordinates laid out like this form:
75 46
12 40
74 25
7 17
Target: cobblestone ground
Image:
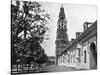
57 68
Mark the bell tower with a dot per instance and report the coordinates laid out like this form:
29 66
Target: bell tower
62 37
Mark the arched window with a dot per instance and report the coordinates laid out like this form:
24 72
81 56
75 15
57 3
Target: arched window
85 56
59 26
62 24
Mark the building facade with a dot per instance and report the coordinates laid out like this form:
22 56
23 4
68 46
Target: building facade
81 52
62 37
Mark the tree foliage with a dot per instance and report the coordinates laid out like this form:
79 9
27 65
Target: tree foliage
28 26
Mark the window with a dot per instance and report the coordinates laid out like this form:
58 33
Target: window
62 17
62 24
78 52
59 26
78 55
85 56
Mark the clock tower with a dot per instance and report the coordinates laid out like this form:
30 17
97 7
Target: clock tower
62 37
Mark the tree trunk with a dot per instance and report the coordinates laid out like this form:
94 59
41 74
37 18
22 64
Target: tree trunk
22 67
25 32
17 67
28 67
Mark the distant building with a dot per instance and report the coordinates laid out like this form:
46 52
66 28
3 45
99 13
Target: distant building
81 52
51 60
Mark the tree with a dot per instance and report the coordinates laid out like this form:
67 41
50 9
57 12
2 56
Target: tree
28 26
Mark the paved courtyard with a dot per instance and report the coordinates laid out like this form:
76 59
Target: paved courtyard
56 68
51 68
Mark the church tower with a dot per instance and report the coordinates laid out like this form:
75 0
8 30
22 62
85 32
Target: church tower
62 37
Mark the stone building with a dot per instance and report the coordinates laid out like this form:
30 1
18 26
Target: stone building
81 52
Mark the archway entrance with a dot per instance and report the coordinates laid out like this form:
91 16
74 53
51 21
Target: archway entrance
93 56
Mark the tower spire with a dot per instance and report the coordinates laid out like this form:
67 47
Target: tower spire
62 5
61 14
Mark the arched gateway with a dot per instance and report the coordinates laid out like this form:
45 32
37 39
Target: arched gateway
93 56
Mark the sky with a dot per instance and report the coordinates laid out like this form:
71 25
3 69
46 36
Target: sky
76 15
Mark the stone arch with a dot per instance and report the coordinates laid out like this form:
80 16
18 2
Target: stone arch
93 50
93 57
